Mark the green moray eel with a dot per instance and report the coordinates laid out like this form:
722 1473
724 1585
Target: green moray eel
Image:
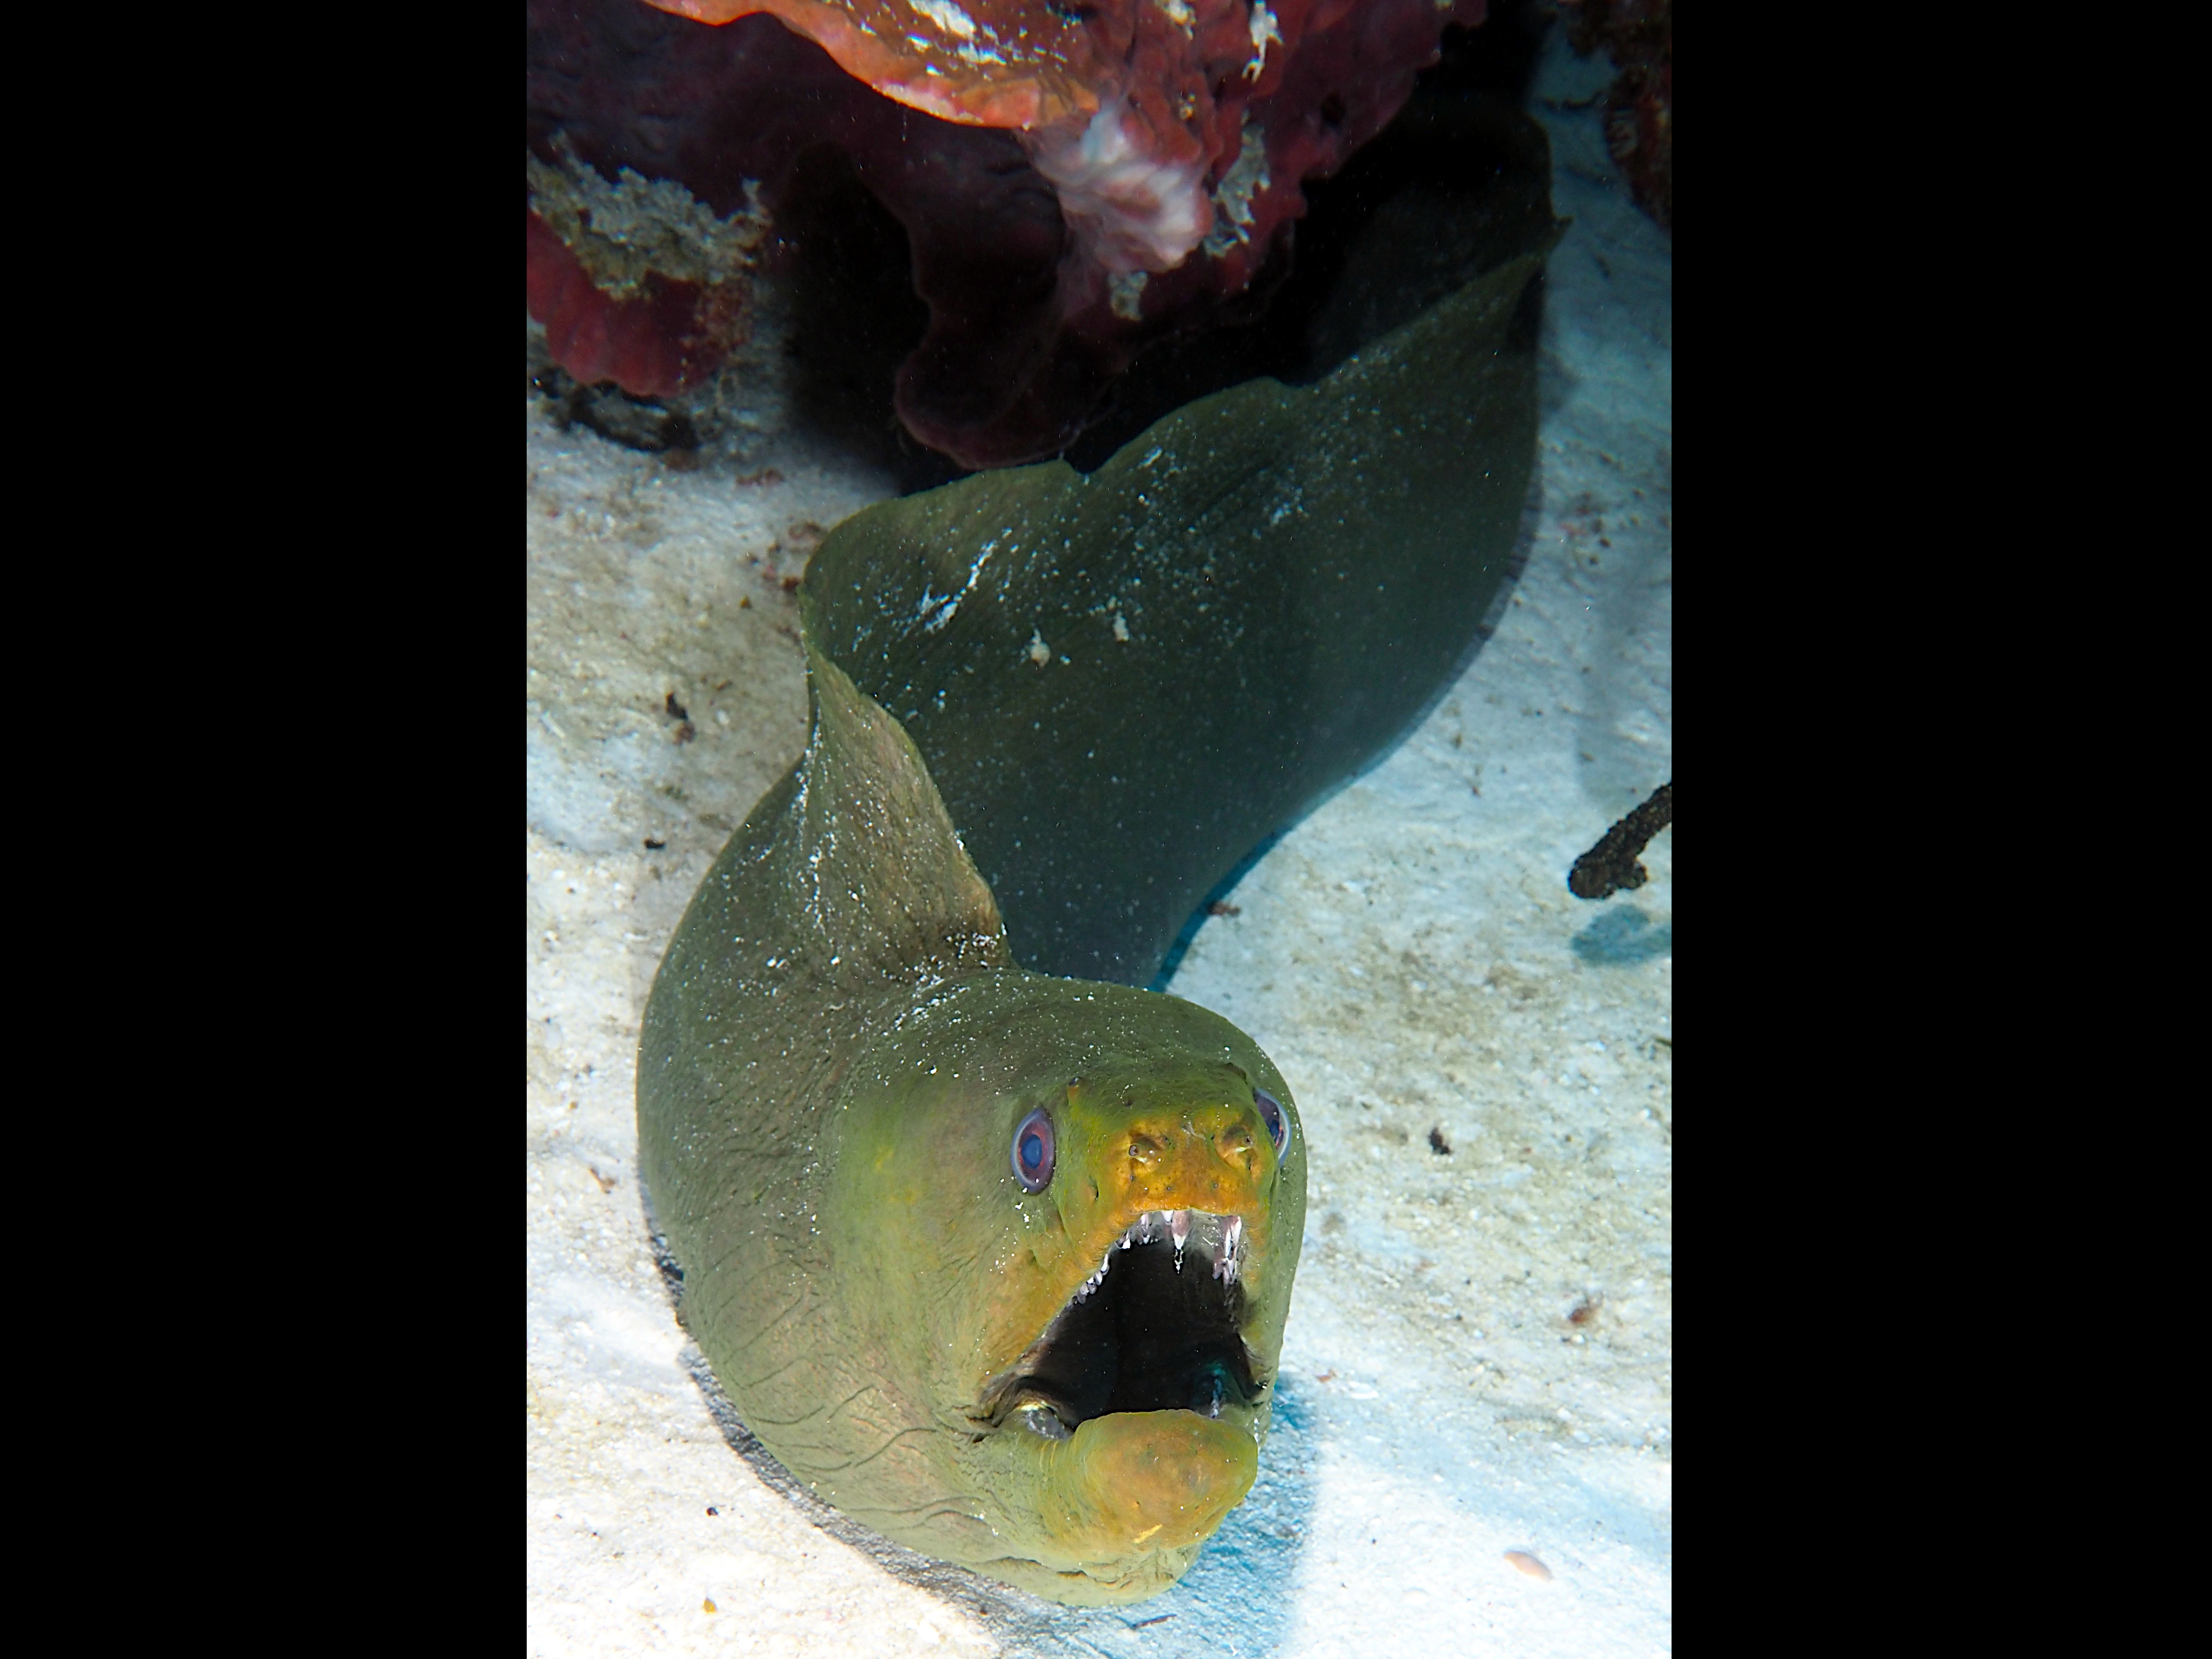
997 1261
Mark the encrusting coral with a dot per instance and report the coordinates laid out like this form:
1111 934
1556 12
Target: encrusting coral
1639 35
636 278
1133 108
1075 182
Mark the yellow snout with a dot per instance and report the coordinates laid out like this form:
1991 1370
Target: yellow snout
1146 1480
1204 1157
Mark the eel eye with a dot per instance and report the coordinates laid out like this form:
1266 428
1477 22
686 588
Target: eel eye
1033 1151
1272 1114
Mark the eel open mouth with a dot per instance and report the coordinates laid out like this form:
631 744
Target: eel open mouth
1158 1326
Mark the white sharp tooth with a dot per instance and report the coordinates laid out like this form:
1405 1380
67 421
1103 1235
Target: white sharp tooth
1234 1238
1179 1230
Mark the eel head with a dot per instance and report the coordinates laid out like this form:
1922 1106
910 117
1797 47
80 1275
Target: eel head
1064 1220
1146 1325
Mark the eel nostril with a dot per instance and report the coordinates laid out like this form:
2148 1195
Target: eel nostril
1234 1143
1143 1150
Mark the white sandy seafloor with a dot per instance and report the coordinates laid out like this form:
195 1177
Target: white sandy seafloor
1409 955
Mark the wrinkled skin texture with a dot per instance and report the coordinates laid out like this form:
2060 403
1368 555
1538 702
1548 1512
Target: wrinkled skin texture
1054 232
843 1036
835 1055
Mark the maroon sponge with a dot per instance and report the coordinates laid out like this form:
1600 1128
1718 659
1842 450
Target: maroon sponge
650 346
1027 332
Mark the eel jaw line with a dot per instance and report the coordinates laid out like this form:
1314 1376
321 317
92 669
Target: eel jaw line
1146 1332
1221 1240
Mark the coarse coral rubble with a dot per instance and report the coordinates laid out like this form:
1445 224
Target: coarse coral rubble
1075 179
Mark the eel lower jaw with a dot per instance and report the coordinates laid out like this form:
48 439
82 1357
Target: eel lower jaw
1130 1487
1157 1327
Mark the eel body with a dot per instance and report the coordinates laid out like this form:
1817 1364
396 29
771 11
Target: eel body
1049 714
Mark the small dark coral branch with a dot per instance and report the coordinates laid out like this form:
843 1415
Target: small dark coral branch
1612 865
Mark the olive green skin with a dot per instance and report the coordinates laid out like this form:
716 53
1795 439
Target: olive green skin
949 1269
1247 605
832 1061
1234 614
